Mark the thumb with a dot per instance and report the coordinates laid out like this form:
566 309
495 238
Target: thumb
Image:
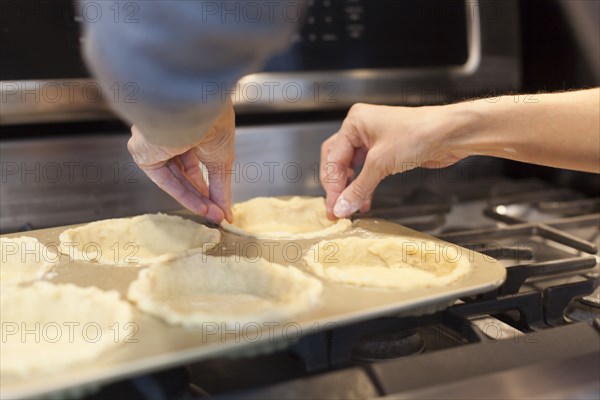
359 191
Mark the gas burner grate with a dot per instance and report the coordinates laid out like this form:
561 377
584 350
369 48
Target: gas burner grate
529 191
528 251
550 208
557 298
424 209
381 347
518 274
586 227
491 239
386 338
544 196
533 201
499 213
570 207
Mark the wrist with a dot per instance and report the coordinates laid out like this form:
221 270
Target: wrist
457 131
472 130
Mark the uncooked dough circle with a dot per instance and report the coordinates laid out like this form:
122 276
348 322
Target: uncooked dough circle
24 259
140 240
224 290
276 218
66 325
388 262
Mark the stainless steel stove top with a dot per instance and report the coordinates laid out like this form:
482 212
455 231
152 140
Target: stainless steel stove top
543 320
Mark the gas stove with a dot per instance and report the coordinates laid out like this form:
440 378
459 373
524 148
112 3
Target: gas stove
536 336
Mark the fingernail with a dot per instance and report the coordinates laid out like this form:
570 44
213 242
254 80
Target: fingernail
343 208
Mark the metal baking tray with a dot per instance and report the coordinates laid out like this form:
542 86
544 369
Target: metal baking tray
157 345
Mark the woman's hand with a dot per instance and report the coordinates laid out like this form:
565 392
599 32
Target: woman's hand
386 141
176 170
559 130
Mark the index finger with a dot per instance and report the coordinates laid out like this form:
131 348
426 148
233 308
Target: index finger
219 187
170 179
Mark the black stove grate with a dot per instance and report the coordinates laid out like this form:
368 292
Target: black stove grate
424 209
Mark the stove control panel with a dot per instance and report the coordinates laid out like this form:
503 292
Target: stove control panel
351 34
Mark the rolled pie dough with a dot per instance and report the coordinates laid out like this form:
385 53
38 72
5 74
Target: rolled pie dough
276 218
48 327
24 259
144 239
388 262
234 291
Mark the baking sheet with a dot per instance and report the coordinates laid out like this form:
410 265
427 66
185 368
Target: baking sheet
149 344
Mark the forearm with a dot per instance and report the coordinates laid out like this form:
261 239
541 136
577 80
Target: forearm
560 130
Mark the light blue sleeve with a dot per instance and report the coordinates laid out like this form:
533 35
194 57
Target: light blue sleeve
161 61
